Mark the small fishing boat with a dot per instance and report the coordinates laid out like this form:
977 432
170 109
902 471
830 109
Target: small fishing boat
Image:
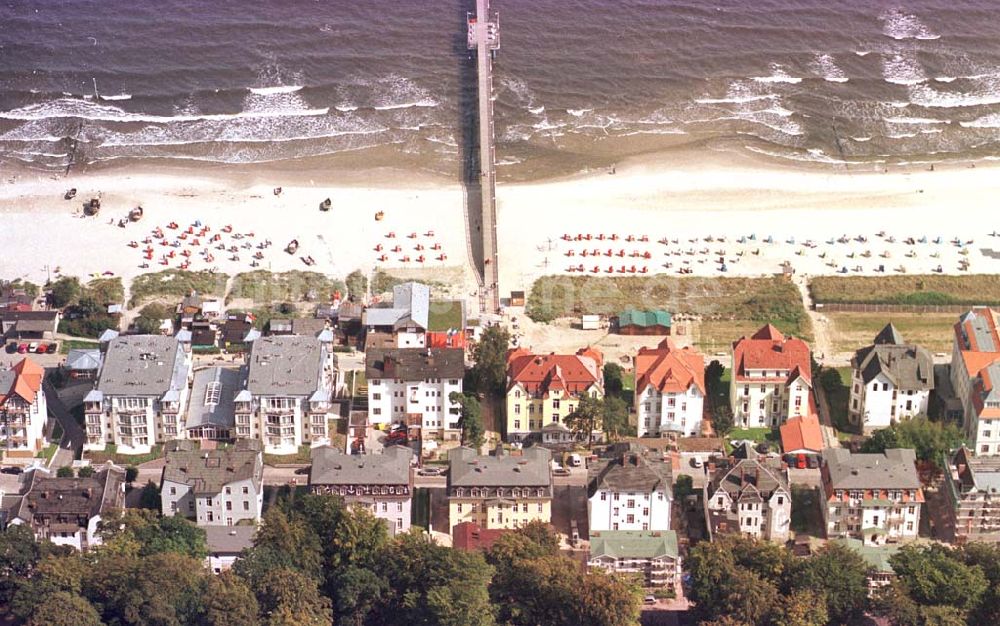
70 194
292 246
325 205
93 207
135 214
380 216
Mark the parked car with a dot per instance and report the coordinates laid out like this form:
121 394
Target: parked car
33 347
397 437
560 471
51 349
813 461
575 460
302 470
22 348
11 348
696 462
42 348
431 471
800 461
650 599
11 469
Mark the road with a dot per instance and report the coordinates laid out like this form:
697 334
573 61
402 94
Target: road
73 435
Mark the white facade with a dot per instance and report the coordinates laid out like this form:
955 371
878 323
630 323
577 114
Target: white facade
764 400
23 428
873 521
394 400
238 500
879 403
679 412
758 518
616 510
79 539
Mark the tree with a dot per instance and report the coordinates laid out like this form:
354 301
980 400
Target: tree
804 607
85 472
489 374
150 497
357 284
722 419
614 417
589 412
614 384
229 602
713 377
930 440
736 577
936 575
840 575
131 474
151 316
290 598
683 487
286 308
470 421
145 533
64 472
64 609
19 555
64 291
986 556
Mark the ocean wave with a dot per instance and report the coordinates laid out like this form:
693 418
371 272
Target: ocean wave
813 155
900 135
213 135
536 110
861 139
396 92
346 108
829 69
945 79
578 112
121 96
991 120
427 103
267 91
927 96
778 75
915 120
902 69
900 25
79 109
862 53
737 99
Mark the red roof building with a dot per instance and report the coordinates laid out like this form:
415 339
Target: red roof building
23 405
669 389
974 373
802 435
468 536
772 379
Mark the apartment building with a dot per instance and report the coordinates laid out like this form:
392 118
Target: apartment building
652 556
669 390
872 497
499 491
975 349
749 495
772 379
287 399
890 381
219 487
542 389
23 411
972 487
406 320
414 386
141 394
632 491
381 483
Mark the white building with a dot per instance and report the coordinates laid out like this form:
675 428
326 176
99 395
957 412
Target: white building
630 492
68 511
976 349
23 411
772 379
406 319
413 386
650 555
890 381
213 487
140 396
225 543
872 497
287 401
381 483
669 390
750 497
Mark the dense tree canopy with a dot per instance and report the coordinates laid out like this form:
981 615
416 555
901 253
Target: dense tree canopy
471 419
488 375
930 439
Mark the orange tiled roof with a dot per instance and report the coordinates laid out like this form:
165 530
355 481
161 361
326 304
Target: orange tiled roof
802 433
539 374
768 349
669 368
28 377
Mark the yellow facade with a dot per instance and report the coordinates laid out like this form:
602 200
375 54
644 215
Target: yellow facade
528 414
499 512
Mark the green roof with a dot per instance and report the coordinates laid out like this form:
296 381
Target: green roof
444 315
876 557
636 544
635 317
876 502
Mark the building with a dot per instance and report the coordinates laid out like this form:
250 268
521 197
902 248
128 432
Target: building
236 333
972 486
976 348
890 381
446 324
544 389
635 322
872 497
651 555
468 536
381 483
631 491
802 435
287 399
83 363
502 491
213 487
772 379
406 319
211 412
16 324
141 394
749 496
414 386
669 390
225 544
67 511
23 411
880 572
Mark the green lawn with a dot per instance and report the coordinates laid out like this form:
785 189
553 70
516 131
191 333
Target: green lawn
806 515
265 287
302 456
838 398
77 344
177 283
444 315
421 508
48 452
918 289
110 453
758 435
850 331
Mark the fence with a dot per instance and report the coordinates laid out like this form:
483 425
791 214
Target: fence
849 307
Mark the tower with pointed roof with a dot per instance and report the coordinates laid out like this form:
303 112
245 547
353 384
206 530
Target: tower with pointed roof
669 390
890 381
772 379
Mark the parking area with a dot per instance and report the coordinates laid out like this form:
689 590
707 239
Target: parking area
44 352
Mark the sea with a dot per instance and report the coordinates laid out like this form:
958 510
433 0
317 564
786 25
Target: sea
579 84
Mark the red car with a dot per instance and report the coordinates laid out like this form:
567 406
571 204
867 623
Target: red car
800 461
41 348
22 348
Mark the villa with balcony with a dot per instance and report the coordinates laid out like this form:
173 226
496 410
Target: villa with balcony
22 410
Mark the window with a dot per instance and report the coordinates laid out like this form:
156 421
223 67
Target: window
885 386
229 505
246 505
555 404
229 490
173 491
604 496
539 507
909 526
246 490
630 519
376 396
212 392
517 409
517 424
781 499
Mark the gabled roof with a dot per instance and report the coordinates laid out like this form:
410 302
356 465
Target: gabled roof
143 365
986 392
286 365
75 499
802 433
907 367
410 305
669 369
889 336
976 331
894 469
468 536
768 349
632 471
752 479
410 364
633 544
24 380
331 466
540 374
635 317
468 469
208 471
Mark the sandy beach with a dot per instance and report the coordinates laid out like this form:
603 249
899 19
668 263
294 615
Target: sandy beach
687 214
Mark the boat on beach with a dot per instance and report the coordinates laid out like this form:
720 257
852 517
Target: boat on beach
135 214
93 207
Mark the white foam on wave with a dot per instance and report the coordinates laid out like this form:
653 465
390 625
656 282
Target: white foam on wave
346 108
991 120
829 70
901 25
88 110
862 53
267 91
902 69
428 103
121 96
578 112
395 92
901 135
737 99
944 79
915 120
778 75
983 93
861 139
813 155
536 110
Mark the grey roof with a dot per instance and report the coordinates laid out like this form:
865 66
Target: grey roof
229 540
331 466
906 366
83 359
52 497
410 304
980 472
94 395
633 544
286 366
415 363
893 470
208 471
981 329
108 335
632 471
531 469
308 326
220 413
750 479
280 325
143 365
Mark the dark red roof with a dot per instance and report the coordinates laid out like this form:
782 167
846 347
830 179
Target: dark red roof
468 536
